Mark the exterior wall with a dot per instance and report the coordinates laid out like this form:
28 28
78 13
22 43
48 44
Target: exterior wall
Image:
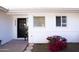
39 34
5 28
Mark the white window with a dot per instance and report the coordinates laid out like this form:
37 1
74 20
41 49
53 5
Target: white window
61 21
39 21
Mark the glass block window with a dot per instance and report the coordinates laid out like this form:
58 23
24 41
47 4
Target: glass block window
39 21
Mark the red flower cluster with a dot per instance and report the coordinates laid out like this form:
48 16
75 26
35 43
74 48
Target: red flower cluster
56 43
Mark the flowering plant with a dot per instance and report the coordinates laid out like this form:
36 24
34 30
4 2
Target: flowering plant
56 43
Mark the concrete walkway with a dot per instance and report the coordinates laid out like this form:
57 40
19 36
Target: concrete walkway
14 46
29 48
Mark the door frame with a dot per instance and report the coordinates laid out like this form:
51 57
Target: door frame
15 26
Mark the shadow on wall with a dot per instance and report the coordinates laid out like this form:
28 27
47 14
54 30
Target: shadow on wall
5 28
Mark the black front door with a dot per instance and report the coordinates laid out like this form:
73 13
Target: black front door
21 30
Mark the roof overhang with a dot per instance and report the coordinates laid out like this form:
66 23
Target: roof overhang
45 10
2 9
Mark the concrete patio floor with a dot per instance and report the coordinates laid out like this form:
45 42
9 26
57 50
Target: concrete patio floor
14 46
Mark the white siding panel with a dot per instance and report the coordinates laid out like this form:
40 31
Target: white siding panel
71 32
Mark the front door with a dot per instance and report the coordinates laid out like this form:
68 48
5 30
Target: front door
21 29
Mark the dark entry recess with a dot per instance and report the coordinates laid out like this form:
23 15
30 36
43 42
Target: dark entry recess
21 28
